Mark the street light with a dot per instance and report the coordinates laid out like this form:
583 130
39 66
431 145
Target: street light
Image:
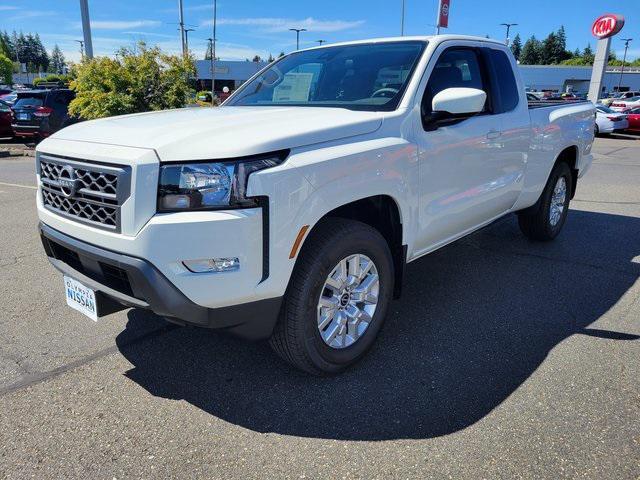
186 37
508 25
402 20
321 42
81 48
624 59
298 30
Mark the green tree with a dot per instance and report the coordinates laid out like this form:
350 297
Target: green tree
516 46
270 59
577 53
57 60
588 54
5 45
281 55
139 80
531 52
6 70
256 59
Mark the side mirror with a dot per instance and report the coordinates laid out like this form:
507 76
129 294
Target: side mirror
453 105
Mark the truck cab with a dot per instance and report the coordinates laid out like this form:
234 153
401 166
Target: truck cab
290 212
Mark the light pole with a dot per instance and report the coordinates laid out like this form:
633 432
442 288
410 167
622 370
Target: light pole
213 52
298 30
186 37
86 28
81 48
624 59
181 24
508 25
321 42
402 20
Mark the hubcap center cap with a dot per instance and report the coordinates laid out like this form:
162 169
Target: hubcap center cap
344 299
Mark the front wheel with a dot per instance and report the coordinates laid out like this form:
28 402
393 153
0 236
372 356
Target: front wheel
337 298
545 224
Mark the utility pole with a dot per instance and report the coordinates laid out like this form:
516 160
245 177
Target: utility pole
321 42
181 24
86 28
508 25
298 30
402 20
624 59
81 48
213 52
186 37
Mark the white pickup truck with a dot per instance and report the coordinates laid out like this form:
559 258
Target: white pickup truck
290 212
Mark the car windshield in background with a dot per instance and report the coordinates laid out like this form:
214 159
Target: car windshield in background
604 109
28 102
370 76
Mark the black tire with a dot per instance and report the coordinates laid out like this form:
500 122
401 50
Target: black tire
597 130
296 337
537 225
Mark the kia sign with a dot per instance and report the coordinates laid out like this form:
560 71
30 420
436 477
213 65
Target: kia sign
607 25
443 13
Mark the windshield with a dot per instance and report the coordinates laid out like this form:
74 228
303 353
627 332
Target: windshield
358 77
28 102
604 109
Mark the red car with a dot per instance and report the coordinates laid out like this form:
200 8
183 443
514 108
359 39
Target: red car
5 120
634 119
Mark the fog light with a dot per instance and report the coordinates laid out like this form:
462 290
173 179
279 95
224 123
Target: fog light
204 265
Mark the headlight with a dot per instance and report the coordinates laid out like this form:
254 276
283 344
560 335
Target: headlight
209 185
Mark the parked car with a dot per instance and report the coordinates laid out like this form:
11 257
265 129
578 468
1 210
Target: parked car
633 117
627 104
5 120
295 223
619 97
609 121
39 113
9 98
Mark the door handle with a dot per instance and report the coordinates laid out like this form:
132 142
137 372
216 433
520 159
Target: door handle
493 134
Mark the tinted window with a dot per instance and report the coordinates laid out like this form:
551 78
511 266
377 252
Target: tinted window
4 107
28 102
359 77
506 82
455 68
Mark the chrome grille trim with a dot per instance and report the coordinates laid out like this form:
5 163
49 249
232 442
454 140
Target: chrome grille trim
84 191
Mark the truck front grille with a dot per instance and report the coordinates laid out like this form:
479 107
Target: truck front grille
87 192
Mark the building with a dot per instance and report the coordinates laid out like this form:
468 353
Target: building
230 74
563 78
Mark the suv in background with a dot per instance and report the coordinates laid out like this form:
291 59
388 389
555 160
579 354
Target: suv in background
39 113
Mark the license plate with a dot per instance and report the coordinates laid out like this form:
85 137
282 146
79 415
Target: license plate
23 116
81 298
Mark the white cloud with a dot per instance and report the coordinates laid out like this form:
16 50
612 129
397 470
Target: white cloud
25 14
123 24
284 24
4 8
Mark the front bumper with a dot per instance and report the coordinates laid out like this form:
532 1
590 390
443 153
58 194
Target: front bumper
134 282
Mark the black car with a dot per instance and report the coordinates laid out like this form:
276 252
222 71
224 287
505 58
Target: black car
39 113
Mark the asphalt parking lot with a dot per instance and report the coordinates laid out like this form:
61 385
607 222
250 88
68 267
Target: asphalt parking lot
504 359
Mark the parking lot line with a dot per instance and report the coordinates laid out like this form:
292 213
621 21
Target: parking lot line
17 185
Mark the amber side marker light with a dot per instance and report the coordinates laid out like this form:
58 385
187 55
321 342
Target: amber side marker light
296 244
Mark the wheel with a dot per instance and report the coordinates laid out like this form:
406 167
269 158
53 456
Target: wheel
597 130
337 297
545 224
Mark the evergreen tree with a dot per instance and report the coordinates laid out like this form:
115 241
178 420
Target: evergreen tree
41 57
6 48
270 59
588 54
516 46
57 60
257 59
281 54
562 38
530 54
550 49
577 53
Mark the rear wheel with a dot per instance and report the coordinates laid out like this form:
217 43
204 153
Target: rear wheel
337 298
547 222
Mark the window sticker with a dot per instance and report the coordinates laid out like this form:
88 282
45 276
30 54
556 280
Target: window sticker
295 87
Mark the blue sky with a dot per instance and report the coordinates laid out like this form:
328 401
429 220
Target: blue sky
250 27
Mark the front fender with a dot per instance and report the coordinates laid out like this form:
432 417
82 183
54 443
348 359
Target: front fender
313 182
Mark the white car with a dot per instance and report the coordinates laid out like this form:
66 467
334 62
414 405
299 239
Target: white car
620 96
290 212
609 121
626 104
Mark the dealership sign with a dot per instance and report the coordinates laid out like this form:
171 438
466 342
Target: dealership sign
607 25
443 13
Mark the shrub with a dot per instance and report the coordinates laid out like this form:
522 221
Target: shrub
137 81
6 70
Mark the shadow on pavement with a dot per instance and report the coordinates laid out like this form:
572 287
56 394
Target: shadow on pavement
475 321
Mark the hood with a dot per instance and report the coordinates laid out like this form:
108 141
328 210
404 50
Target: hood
224 132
